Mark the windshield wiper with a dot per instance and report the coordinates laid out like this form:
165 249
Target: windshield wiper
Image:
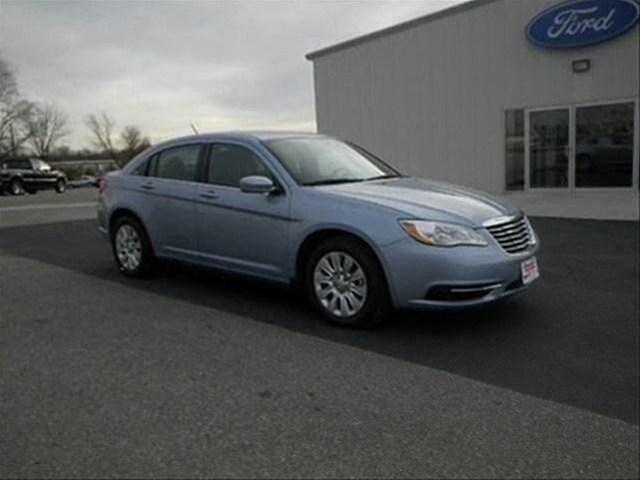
333 181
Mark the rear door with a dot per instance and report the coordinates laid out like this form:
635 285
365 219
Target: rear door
165 197
244 232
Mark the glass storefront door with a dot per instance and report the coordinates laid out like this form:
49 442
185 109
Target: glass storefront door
573 147
549 148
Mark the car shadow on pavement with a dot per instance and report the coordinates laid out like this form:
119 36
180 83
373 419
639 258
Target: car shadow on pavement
548 342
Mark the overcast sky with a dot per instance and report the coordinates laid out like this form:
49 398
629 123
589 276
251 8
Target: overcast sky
221 64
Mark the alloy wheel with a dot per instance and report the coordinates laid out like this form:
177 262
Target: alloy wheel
128 247
340 284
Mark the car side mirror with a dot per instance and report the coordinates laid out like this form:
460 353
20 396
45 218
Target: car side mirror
257 184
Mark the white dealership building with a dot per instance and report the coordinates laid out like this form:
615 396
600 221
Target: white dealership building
533 100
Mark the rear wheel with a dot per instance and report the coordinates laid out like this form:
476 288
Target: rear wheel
345 282
16 187
131 247
61 185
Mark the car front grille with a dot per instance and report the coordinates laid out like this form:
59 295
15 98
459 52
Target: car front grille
513 235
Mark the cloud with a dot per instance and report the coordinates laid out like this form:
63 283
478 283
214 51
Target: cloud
162 65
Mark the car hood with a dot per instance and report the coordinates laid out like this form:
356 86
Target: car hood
426 199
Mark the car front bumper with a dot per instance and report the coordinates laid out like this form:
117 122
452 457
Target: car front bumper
424 277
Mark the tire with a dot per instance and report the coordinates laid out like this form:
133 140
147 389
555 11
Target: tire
131 247
16 187
361 299
61 185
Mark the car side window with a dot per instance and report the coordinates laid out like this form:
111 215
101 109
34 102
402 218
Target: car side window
141 169
229 163
40 165
17 165
178 163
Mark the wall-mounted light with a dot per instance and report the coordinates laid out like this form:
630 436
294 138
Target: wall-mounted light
582 65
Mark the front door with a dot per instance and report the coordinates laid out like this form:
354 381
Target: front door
41 176
31 176
238 231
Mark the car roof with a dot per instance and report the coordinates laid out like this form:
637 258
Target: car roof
254 137
240 136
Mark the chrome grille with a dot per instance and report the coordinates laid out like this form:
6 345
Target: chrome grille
513 235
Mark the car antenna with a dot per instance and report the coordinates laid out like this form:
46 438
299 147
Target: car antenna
193 127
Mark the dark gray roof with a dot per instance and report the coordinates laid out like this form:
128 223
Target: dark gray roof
397 28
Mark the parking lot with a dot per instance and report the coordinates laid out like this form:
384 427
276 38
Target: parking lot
195 373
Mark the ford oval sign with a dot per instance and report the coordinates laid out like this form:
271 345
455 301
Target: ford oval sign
582 22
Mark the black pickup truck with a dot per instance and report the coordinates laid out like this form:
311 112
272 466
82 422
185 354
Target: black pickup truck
30 175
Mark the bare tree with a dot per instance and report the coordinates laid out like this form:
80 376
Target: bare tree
48 124
101 127
133 142
14 114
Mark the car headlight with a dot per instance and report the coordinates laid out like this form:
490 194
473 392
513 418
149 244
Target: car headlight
442 234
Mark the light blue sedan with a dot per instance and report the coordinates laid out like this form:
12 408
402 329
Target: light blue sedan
358 236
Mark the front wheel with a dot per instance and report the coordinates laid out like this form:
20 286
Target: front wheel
61 185
345 282
131 247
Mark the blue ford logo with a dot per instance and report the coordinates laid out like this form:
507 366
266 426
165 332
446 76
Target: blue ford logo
582 22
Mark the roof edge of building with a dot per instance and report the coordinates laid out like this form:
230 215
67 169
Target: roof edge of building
397 28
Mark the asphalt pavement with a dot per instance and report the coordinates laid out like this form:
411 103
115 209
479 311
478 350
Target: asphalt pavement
196 373
47 207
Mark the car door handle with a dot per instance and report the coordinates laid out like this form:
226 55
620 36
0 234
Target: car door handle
209 195
147 186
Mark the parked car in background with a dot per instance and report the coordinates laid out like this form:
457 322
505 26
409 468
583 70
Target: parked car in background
357 235
30 175
97 180
84 181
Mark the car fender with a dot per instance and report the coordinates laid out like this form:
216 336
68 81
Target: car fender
349 229
111 208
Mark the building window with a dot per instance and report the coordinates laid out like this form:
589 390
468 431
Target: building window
588 146
549 148
604 145
514 149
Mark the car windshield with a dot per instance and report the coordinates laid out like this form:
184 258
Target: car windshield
324 161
